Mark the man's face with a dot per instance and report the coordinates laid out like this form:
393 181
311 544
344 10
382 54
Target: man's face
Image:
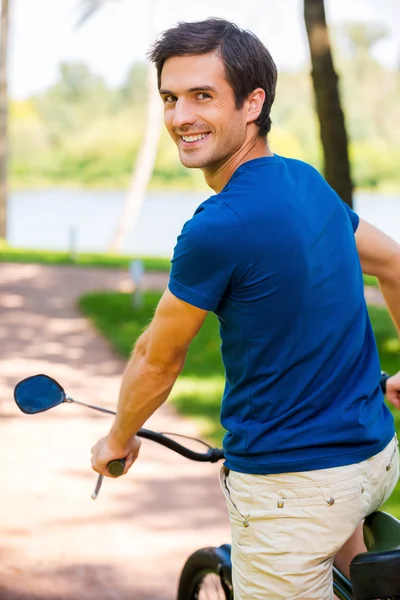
199 110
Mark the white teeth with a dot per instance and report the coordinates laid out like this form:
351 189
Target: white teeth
194 138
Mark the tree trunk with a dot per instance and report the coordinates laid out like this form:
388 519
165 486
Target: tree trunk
4 26
144 165
330 114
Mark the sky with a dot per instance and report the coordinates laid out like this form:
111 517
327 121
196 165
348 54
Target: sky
43 33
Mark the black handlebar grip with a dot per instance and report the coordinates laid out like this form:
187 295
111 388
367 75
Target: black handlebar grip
116 467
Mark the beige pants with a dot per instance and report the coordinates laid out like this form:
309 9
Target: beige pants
287 528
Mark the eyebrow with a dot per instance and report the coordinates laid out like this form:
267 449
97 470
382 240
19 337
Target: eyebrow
199 88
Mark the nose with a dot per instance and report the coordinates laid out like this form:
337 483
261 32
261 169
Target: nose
183 114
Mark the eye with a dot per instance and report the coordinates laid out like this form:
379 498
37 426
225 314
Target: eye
203 96
169 99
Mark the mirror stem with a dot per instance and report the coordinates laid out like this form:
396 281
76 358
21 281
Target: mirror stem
103 410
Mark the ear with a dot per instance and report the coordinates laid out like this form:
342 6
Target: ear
255 102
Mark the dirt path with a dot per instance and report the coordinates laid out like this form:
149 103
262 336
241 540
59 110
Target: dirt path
373 295
55 542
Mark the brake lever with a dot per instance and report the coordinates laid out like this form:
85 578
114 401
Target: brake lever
116 468
98 486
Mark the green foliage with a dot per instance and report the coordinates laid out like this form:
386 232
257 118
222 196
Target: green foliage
81 131
133 90
389 352
375 165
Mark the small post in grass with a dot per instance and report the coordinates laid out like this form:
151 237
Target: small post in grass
73 243
136 270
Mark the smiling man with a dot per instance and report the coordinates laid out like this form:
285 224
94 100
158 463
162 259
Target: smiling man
278 257
218 140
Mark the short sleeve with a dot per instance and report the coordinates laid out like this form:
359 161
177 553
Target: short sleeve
354 218
204 257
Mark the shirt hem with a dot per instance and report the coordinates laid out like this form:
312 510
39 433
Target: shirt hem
315 463
191 297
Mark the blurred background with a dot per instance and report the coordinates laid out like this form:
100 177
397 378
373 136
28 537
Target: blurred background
89 182
79 100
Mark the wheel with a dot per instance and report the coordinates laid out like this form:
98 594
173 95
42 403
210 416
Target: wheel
207 575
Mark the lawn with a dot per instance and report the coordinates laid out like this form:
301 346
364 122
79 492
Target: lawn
87 259
81 259
198 391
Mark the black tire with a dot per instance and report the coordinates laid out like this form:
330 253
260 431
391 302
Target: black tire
207 575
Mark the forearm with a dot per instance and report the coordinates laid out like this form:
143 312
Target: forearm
390 289
380 256
144 388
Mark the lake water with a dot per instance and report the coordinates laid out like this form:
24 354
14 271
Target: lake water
45 219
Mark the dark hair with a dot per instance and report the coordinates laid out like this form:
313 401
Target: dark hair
247 62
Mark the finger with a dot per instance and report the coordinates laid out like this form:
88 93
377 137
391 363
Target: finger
129 460
95 446
95 468
394 399
99 467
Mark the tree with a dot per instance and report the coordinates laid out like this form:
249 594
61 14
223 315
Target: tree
358 40
143 168
4 27
361 37
330 114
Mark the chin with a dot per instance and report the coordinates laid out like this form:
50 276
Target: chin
197 162
192 162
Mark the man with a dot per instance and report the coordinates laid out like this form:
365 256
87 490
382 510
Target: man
310 447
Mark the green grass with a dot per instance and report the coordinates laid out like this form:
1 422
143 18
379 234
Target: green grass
86 259
82 259
370 280
198 391
389 351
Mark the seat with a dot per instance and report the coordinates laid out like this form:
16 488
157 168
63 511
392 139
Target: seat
376 573
381 532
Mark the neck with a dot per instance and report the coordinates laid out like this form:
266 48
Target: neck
217 177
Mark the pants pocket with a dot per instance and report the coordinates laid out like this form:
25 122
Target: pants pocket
392 469
309 532
238 502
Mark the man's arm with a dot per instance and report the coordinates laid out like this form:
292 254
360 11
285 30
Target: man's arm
380 256
157 360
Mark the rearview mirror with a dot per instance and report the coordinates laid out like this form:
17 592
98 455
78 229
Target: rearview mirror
38 393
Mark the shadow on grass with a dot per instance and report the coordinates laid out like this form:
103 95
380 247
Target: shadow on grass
200 399
199 389
122 323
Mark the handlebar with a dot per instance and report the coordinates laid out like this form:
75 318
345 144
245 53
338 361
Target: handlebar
116 467
213 455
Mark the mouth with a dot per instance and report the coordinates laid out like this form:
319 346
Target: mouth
193 140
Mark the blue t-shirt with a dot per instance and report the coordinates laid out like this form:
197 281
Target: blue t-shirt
273 255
